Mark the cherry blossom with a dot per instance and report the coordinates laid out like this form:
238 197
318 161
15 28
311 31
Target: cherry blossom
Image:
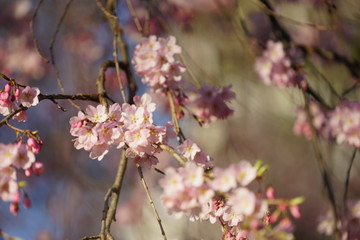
126 126
210 104
154 61
276 67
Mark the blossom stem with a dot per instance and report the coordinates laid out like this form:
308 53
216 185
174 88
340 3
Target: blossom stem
178 157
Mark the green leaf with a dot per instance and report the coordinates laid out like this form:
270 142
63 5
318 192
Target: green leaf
297 200
22 184
262 170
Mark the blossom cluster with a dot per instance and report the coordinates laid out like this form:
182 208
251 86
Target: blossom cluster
12 95
341 124
348 224
210 104
154 60
276 67
223 195
14 156
129 126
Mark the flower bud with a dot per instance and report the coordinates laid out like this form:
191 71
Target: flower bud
34 146
38 168
7 88
14 208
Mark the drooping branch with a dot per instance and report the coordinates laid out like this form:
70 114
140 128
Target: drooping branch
353 66
347 180
151 201
322 167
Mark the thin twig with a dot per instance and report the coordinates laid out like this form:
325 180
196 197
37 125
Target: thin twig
313 25
314 68
91 237
134 15
106 12
175 121
118 75
151 201
347 180
57 29
322 166
52 56
32 27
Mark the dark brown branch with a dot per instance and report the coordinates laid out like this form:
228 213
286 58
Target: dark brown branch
79 96
53 98
8 117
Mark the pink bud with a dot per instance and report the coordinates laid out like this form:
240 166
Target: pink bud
34 146
270 193
14 208
17 197
38 168
4 96
295 211
28 172
19 144
17 92
7 88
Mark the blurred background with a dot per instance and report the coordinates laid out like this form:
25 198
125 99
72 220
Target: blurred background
220 40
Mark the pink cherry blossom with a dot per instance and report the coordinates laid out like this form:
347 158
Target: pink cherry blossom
154 61
243 201
8 184
29 96
210 104
24 157
8 154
